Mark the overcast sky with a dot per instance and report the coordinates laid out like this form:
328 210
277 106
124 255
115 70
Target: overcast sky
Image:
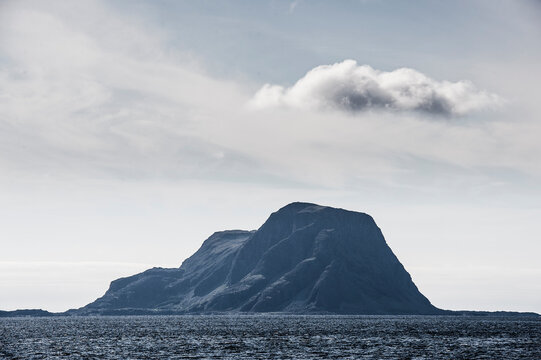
130 131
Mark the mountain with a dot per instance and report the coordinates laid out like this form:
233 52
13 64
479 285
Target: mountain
305 258
27 313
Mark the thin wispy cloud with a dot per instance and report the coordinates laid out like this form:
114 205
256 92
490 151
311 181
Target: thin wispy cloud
350 87
74 94
293 5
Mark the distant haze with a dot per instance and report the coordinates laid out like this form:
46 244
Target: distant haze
132 130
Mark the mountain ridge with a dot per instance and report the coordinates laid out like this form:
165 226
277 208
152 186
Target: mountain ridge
304 259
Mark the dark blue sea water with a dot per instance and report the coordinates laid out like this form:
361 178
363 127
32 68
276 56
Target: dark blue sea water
270 337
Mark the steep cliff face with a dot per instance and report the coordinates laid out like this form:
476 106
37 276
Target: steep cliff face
305 258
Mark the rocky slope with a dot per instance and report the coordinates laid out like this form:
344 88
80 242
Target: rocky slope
304 259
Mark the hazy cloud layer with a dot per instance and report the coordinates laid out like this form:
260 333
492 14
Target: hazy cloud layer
350 87
82 100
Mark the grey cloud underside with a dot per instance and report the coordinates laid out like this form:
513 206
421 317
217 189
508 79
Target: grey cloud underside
375 98
349 87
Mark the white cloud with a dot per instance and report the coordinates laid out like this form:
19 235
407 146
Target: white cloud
349 87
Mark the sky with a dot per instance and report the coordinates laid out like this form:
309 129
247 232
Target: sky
130 131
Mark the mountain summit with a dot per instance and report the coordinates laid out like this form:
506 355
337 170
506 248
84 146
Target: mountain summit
305 258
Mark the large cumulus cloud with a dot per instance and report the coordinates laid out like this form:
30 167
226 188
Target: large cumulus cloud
351 87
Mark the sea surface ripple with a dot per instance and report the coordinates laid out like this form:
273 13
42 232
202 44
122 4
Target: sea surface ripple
270 337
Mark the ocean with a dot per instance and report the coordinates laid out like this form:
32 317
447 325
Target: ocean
270 337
